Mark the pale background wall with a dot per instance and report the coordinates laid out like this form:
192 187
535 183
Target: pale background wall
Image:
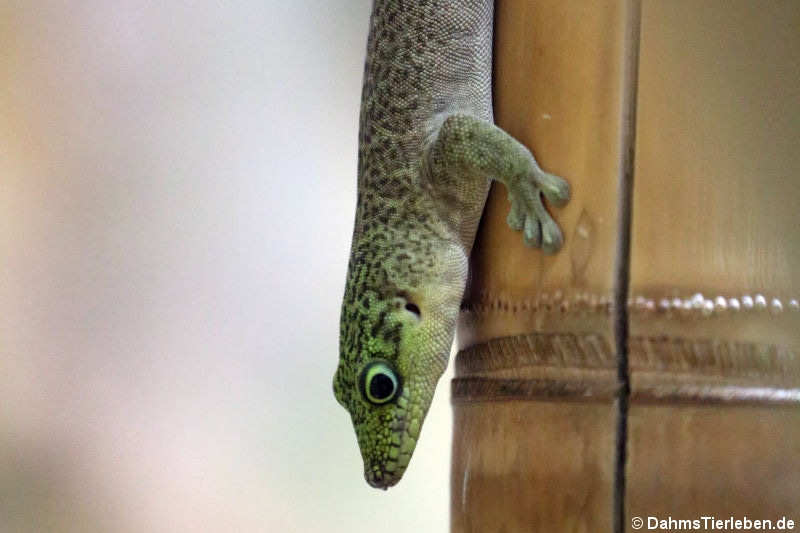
177 188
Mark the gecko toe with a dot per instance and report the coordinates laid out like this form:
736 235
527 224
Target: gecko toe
554 188
552 238
516 217
532 234
528 214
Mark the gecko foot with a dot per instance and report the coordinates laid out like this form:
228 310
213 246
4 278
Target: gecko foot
529 214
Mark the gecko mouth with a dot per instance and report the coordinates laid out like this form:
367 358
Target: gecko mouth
382 480
384 474
387 469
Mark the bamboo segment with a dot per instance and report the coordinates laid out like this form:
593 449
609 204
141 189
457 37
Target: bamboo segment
556 72
715 274
715 262
534 418
553 481
717 182
690 460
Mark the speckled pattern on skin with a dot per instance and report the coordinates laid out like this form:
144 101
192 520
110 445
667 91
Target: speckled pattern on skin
427 151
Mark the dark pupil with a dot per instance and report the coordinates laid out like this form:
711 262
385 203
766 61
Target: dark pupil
381 386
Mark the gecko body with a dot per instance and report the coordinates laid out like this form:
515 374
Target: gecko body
428 149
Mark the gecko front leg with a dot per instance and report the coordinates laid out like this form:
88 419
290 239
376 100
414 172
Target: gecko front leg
468 146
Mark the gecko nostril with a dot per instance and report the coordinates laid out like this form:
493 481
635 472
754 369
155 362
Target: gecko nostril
413 308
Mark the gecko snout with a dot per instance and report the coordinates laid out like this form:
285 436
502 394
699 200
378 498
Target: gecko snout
381 480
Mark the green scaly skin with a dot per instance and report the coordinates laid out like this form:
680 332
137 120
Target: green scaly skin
428 148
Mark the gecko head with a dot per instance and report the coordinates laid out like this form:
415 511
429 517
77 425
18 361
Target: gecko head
394 348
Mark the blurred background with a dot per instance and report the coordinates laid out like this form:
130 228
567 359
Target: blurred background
177 191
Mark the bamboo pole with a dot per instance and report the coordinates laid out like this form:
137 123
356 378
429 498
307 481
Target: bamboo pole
714 324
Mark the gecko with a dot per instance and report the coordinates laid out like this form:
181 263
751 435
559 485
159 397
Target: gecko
428 150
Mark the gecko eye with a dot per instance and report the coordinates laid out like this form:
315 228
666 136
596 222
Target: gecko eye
379 383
